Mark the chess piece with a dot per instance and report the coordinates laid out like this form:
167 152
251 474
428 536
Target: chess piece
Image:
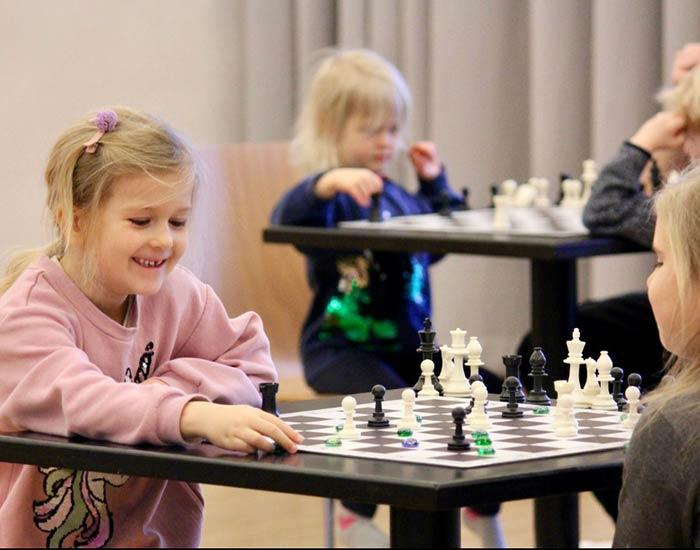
375 214
604 400
635 379
268 390
428 390
575 360
571 193
457 384
512 364
378 420
444 208
588 177
500 221
465 199
538 395
632 394
564 422
427 349
478 419
349 430
618 396
592 387
474 350
541 199
511 384
459 441
408 420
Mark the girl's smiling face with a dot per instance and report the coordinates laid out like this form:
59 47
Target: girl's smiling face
142 233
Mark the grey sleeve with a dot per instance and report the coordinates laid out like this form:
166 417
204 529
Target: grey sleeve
617 205
657 501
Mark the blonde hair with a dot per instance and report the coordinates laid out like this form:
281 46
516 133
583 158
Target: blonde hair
351 82
677 207
684 98
80 181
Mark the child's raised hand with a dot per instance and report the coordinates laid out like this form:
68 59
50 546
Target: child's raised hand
425 159
665 130
237 427
359 183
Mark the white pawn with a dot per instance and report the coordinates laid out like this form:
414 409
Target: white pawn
591 388
632 395
474 361
408 420
501 220
427 368
508 189
541 200
588 177
478 419
349 431
564 423
571 193
604 400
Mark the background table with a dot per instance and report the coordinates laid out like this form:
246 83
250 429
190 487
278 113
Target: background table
553 294
424 500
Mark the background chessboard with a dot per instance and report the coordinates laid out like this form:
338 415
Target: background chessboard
554 221
513 440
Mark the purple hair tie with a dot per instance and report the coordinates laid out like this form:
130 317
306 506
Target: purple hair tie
106 121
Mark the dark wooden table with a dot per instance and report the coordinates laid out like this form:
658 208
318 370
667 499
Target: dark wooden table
553 296
424 500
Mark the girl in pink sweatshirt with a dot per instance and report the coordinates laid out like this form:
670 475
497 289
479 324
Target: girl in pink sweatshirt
105 336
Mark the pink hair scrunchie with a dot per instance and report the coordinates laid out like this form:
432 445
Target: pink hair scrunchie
106 121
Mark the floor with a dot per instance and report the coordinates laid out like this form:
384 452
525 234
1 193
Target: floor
247 518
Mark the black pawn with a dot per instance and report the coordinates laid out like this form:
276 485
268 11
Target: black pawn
444 208
465 198
375 214
511 383
617 394
538 395
378 419
269 401
512 364
494 191
459 442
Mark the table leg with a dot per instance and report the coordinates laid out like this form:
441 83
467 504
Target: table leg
553 295
553 286
556 521
421 529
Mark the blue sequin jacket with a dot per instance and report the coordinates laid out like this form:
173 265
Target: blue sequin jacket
372 300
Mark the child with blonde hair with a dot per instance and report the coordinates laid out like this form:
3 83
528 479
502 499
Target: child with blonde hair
661 483
368 306
105 336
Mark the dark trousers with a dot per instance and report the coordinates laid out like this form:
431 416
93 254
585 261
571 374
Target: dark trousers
348 370
625 327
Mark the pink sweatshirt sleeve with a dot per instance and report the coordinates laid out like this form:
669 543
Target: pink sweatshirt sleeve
49 385
223 359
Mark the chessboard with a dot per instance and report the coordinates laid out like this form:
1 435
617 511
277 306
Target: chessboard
554 221
513 440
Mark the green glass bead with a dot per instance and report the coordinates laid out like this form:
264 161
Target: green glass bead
485 451
479 434
483 441
406 432
419 419
338 427
541 411
333 442
623 417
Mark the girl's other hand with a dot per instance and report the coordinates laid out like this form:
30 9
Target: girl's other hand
359 183
665 130
237 427
425 159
